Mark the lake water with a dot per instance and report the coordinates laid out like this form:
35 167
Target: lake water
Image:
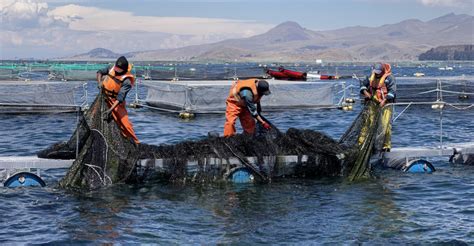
392 208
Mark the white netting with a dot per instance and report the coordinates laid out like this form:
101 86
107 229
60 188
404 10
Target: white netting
429 89
210 96
37 93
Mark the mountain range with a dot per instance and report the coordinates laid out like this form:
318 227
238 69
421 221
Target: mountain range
289 42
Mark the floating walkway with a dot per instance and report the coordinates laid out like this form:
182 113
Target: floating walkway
284 165
412 159
447 150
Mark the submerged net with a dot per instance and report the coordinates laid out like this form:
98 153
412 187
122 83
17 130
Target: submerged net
106 158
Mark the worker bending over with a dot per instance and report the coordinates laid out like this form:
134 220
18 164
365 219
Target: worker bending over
243 102
380 87
115 82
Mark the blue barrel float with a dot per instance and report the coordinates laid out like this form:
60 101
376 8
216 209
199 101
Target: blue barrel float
24 179
419 166
241 176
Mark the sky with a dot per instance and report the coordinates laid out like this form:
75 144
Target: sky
57 28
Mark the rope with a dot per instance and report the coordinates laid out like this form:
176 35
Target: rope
403 111
460 108
105 162
246 164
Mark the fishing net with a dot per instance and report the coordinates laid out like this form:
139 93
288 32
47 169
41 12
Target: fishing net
325 156
453 90
209 96
19 97
364 136
105 157
37 93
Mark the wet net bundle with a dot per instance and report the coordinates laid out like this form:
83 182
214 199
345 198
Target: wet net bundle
365 136
104 157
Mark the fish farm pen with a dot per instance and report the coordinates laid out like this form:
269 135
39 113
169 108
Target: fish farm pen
209 96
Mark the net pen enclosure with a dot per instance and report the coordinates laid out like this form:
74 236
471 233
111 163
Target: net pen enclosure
21 97
209 96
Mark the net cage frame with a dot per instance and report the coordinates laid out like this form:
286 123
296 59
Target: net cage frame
192 92
428 89
16 101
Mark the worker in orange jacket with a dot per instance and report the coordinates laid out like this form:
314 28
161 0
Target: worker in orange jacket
243 102
116 81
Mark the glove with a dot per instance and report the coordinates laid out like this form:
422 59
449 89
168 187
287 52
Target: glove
266 126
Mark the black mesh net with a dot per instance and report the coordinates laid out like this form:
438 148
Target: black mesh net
106 158
362 137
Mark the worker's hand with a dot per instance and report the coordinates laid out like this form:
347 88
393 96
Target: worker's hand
266 126
107 115
382 103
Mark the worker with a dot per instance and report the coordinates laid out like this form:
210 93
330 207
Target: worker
380 88
243 102
115 82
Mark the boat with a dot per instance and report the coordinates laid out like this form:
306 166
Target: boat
286 74
317 76
277 74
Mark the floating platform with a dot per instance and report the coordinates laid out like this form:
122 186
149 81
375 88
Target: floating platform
399 158
279 166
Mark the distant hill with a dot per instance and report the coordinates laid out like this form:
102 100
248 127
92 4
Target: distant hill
449 53
291 42
96 54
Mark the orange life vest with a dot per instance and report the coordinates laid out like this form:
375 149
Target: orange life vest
378 88
112 83
238 86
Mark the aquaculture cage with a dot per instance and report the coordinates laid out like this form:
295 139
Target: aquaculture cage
74 72
210 96
41 97
458 89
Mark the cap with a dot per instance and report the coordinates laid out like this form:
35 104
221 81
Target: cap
263 87
122 63
378 68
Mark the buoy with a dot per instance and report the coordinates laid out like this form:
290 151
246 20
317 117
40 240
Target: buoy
186 115
419 166
241 176
24 179
350 100
463 97
437 106
135 105
349 107
345 108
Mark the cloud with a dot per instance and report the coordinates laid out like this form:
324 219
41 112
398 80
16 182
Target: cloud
21 14
91 18
31 26
447 3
